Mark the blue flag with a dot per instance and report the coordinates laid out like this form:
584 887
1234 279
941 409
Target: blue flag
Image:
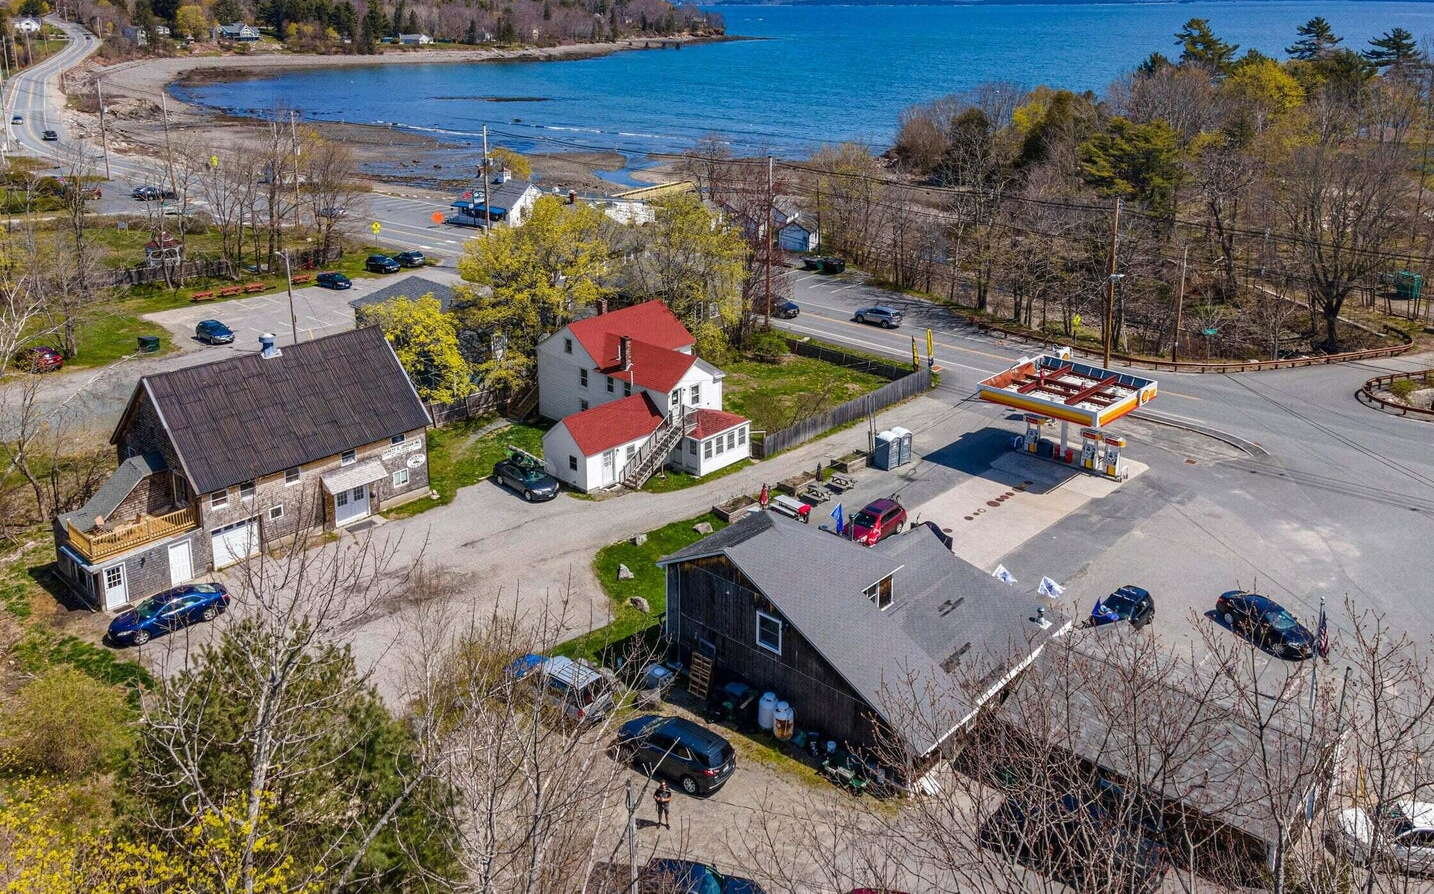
840 520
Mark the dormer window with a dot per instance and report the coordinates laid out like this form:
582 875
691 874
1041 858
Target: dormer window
880 593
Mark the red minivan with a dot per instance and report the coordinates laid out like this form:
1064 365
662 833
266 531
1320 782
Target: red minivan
879 520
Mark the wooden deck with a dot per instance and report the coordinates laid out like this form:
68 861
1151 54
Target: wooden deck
98 546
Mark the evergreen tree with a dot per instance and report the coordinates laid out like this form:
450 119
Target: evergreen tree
472 36
1317 40
1396 48
411 25
227 11
1199 46
1153 63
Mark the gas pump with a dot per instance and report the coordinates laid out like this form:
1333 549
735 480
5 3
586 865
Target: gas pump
1090 449
1033 432
1113 446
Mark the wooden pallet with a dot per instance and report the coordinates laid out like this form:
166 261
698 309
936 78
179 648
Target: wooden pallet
699 677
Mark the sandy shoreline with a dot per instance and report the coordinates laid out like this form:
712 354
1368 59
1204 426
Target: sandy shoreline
135 91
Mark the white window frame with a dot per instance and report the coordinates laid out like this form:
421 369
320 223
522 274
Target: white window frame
742 435
292 476
348 457
249 485
398 438
400 478
572 463
276 512
707 449
675 398
731 440
219 499
696 392
761 615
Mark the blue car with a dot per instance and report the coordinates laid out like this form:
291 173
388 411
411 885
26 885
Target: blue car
168 611
665 876
334 281
213 332
1129 603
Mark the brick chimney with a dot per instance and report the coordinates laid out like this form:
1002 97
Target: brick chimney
624 352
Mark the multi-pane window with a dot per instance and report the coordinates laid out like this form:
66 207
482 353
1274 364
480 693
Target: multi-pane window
276 512
696 394
291 476
219 499
706 449
583 377
348 457
769 632
246 490
567 346
400 478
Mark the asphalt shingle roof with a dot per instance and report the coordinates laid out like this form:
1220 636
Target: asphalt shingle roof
927 661
409 287
110 494
247 416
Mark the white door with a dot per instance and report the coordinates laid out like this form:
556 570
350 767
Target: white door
609 467
351 505
236 542
181 568
116 592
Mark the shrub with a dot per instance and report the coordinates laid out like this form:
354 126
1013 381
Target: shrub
768 345
1402 388
68 723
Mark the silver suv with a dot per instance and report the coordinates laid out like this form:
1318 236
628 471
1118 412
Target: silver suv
577 691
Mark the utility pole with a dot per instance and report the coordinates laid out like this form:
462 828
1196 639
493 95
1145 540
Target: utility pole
289 281
767 228
1179 306
104 130
483 173
1107 329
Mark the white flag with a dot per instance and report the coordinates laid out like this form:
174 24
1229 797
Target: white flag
1002 575
1050 589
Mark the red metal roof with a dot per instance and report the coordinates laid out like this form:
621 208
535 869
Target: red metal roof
613 424
650 321
710 422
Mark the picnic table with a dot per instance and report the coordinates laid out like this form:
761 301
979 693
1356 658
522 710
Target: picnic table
302 278
207 295
840 483
228 291
255 287
815 494
791 507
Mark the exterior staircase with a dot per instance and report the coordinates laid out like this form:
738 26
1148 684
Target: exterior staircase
677 425
523 403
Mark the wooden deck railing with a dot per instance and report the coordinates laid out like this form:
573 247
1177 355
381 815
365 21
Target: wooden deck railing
149 528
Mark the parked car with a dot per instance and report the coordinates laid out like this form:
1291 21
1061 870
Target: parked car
331 213
696 758
380 264
151 193
1078 844
168 611
525 477
49 136
666 876
833 265
17 119
1399 836
879 315
576 691
787 310
38 359
213 332
1266 623
812 263
879 520
410 259
333 281
1129 603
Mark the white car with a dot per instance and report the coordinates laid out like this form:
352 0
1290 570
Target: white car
1400 835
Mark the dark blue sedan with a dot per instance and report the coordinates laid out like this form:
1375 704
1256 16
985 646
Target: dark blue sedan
213 332
1266 623
168 611
687 877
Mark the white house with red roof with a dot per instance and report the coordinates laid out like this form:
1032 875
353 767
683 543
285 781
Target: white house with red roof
631 396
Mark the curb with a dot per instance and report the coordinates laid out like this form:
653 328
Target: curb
1248 447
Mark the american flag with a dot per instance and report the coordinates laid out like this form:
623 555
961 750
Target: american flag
1322 635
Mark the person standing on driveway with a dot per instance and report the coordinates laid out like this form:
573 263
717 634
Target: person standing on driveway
662 795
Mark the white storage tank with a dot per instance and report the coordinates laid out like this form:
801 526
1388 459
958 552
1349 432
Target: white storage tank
766 707
783 721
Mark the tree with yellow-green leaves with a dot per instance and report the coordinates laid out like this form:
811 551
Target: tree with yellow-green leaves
426 342
515 164
692 260
532 279
191 19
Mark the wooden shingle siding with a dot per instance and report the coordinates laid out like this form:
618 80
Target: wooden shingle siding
716 603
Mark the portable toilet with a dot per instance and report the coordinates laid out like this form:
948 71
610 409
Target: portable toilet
903 441
886 452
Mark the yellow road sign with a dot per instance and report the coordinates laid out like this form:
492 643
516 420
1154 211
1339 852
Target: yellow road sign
214 161
376 227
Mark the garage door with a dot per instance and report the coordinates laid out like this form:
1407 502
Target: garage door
236 542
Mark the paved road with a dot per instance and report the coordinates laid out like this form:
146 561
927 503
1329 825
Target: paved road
405 215
1343 505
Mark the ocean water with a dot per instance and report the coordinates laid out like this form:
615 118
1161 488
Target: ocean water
817 74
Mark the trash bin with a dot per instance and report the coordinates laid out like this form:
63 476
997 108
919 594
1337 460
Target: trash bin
148 344
886 452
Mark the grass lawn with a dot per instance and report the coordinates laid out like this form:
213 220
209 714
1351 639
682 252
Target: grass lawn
776 395
671 479
459 456
648 581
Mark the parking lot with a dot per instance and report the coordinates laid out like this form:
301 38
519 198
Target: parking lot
318 311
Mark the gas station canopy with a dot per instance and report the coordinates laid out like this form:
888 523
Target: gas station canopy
1055 386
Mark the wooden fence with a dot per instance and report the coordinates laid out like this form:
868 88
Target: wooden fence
478 403
847 359
909 385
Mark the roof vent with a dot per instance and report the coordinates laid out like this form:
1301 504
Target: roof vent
1040 619
267 348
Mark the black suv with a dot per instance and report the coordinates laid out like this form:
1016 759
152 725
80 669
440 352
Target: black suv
697 759
151 193
786 310
410 259
380 264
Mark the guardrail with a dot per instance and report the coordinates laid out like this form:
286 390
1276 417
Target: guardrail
1366 392
1234 366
